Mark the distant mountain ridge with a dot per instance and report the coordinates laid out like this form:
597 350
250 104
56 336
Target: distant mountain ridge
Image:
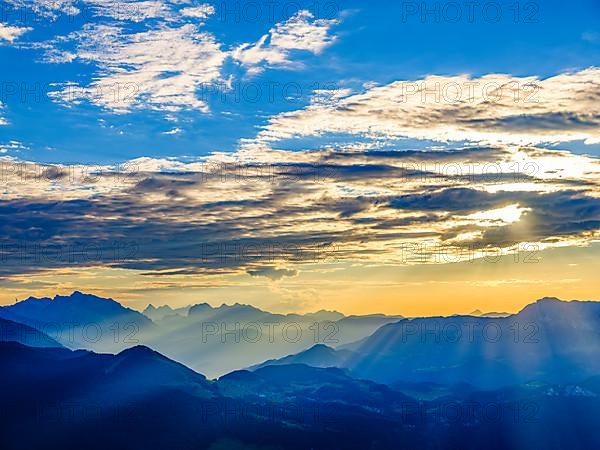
483 351
199 309
213 340
480 350
81 320
77 307
479 313
217 340
155 314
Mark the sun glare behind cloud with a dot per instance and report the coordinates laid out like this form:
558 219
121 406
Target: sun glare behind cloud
508 214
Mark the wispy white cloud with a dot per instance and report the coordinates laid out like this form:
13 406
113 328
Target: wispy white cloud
302 32
131 10
159 69
199 12
490 109
11 33
12 146
121 10
164 67
3 121
141 10
48 8
155 54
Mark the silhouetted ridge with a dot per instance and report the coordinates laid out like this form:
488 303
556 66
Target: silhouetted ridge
81 320
21 333
550 340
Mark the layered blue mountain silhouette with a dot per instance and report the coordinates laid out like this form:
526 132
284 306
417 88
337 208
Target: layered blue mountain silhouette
139 399
550 340
433 383
81 321
77 308
217 340
522 381
17 332
319 355
213 340
164 311
484 351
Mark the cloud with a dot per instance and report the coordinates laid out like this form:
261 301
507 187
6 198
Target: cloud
199 12
135 73
139 11
302 32
11 33
130 10
490 109
267 213
125 42
10 146
272 273
122 10
3 121
134 11
50 9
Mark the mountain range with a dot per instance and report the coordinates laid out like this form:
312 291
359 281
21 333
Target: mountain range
218 340
81 321
487 351
139 399
527 380
549 340
212 340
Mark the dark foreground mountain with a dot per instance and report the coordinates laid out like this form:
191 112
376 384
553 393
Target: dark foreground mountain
550 341
138 399
330 385
60 399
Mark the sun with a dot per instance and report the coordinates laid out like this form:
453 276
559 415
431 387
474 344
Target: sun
508 214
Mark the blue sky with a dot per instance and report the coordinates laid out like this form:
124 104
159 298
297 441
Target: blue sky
376 43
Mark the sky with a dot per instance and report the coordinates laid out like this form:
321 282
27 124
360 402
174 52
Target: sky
413 158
